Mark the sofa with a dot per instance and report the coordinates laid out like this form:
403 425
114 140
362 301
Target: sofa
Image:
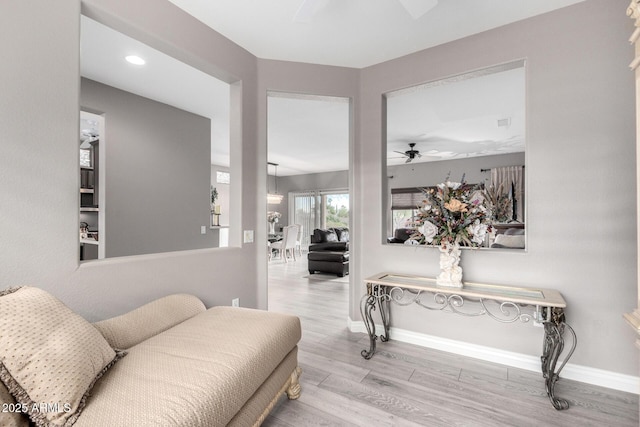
401 235
170 362
329 251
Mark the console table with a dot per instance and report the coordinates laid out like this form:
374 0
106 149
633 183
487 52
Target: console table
506 304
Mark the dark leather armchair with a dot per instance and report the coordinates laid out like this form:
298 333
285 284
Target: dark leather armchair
329 251
401 235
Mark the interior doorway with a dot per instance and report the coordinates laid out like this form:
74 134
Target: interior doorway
308 139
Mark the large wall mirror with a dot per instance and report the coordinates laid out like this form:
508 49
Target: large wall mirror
469 126
154 145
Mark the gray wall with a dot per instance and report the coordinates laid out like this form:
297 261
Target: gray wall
580 189
157 173
39 116
432 173
338 180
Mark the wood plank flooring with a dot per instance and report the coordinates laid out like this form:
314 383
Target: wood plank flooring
407 385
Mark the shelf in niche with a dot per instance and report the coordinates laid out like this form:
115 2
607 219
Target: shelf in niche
89 209
87 190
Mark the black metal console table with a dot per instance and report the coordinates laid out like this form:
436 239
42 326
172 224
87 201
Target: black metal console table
506 304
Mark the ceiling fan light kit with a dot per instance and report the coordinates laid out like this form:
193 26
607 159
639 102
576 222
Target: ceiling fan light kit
411 153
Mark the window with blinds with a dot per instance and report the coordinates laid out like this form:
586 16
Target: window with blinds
406 198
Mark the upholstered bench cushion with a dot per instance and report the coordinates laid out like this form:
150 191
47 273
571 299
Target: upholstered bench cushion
148 320
198 373
331 256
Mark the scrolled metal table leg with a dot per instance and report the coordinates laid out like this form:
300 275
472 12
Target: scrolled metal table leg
367 304
385 312
552 349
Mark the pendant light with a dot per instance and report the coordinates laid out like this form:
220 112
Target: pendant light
274 198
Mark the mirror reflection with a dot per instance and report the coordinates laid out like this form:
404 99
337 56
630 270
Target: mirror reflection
154 137
470 128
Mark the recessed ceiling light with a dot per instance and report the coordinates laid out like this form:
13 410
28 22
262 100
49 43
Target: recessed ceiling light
133 59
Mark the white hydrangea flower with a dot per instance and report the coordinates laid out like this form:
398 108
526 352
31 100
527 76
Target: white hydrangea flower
477 232
428 230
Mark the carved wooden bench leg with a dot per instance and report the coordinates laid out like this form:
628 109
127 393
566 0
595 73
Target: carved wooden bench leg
294 389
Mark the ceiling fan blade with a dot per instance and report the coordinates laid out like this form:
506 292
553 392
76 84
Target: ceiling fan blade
401 152
417 8
408 160
308 10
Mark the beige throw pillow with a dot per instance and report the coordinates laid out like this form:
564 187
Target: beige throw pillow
50 357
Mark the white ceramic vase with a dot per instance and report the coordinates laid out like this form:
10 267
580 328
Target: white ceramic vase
272 228
450 270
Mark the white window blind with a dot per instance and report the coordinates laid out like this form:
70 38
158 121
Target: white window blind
406 198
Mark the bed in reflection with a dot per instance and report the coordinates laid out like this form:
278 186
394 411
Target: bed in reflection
509 236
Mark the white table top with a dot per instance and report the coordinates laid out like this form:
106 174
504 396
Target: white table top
519 295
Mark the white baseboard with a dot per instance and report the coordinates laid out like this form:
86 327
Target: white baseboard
585 374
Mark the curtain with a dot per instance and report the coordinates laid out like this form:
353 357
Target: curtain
302 210
512 180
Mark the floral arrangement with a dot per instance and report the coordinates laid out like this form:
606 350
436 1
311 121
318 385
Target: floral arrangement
452 213
273 217
214 195
215 209
498 203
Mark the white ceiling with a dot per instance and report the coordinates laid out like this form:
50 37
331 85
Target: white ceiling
353 33
308 134
481 113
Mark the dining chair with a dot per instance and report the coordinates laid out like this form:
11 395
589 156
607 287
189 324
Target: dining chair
288 242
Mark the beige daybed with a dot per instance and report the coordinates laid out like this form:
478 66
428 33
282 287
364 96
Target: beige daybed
185 365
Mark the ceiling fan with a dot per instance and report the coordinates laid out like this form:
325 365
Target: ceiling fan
410 154
87 136
415 8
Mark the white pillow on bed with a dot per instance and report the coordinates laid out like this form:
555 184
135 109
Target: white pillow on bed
510 241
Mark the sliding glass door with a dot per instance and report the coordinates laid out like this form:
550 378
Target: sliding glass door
318 209
335 210
302 209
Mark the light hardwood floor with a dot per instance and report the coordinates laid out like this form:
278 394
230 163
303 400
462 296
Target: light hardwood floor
407 385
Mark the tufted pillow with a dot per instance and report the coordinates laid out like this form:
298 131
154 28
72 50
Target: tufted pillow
50 357
323 236
343 234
